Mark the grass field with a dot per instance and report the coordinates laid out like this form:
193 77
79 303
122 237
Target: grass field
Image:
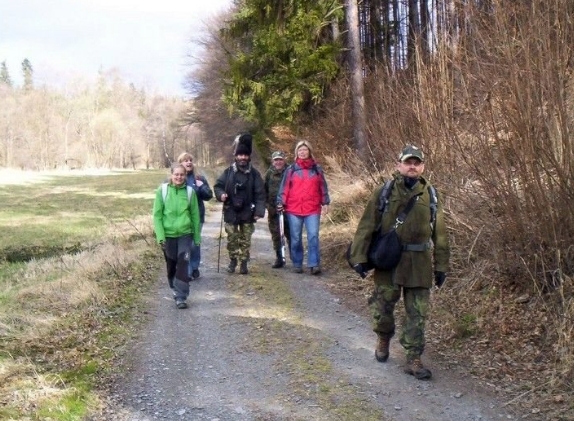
77 254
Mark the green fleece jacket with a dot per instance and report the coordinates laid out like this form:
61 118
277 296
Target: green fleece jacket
177 216
415 268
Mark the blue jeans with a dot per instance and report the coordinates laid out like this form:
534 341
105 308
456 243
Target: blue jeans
311 223
195 256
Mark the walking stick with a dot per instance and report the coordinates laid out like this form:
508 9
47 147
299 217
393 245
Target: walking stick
282 235
220 234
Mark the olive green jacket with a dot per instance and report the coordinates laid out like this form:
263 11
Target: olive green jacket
415 267
272 182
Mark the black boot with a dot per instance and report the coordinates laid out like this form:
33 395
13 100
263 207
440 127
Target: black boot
279 263
243 267
232 265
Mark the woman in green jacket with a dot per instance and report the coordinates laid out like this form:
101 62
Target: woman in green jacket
177 227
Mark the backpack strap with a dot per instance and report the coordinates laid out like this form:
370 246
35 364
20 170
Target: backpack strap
189 193
385 194
164 191
433 205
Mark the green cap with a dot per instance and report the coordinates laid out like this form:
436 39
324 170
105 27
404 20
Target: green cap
411 151
277 155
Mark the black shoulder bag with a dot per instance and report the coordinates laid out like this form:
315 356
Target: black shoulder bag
386 249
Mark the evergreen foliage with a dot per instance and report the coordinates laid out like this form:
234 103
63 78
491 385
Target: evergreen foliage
27 73
286 54
5 75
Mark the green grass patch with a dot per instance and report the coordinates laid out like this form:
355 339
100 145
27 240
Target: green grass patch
77 258
57 213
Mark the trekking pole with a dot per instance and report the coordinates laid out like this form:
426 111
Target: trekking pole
220 234
282 235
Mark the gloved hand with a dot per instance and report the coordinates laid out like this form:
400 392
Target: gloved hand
439 278
360 268
162 245
279 207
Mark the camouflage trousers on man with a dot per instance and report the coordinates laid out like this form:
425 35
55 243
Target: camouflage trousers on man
239 240
273 222
416 300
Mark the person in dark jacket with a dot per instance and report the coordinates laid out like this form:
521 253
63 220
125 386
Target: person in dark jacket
304 196
422 245
242 192
176 225
273 178
204 193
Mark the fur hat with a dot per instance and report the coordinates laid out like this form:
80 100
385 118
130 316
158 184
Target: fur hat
304 143
242 144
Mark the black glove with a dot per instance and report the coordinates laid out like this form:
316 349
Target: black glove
361 269
162 245
439 278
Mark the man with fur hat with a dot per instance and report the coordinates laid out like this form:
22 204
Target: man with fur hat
424 241
242 192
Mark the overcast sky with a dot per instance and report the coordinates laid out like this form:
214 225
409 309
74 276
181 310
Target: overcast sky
146 40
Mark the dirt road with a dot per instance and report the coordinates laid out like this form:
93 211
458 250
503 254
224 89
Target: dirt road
275 345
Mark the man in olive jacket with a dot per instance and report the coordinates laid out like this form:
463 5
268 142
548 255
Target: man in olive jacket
273 178
421 242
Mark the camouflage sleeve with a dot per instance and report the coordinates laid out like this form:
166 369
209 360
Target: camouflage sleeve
368 223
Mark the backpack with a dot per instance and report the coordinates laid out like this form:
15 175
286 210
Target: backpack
164 191
386 194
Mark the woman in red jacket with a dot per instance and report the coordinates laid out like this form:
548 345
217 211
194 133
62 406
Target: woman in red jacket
304 196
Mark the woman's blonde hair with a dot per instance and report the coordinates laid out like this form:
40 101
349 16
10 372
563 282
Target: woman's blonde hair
183 156
177 165
304 143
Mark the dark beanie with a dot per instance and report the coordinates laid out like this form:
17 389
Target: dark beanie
243 144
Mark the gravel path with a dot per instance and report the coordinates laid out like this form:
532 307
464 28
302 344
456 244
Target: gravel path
275 345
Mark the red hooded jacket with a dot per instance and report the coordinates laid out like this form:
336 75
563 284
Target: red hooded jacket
303 189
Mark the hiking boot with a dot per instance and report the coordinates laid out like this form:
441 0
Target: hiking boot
279 263
243 268
232 265
195 274
181 304
382 349
315 270
415 368
298 269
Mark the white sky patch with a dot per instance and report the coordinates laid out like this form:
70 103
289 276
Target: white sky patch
147 41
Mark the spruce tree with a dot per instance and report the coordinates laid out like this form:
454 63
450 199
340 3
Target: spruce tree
4 74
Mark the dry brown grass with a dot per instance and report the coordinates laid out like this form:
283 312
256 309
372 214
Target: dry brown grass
495 117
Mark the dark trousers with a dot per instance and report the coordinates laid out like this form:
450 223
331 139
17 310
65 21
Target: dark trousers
177 252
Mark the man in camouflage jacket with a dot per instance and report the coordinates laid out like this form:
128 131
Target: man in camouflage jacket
273 178
422 244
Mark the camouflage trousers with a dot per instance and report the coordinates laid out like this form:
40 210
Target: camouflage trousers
382 305
273 222
239 240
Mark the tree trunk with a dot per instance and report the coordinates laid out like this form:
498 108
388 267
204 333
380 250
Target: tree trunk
357 86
